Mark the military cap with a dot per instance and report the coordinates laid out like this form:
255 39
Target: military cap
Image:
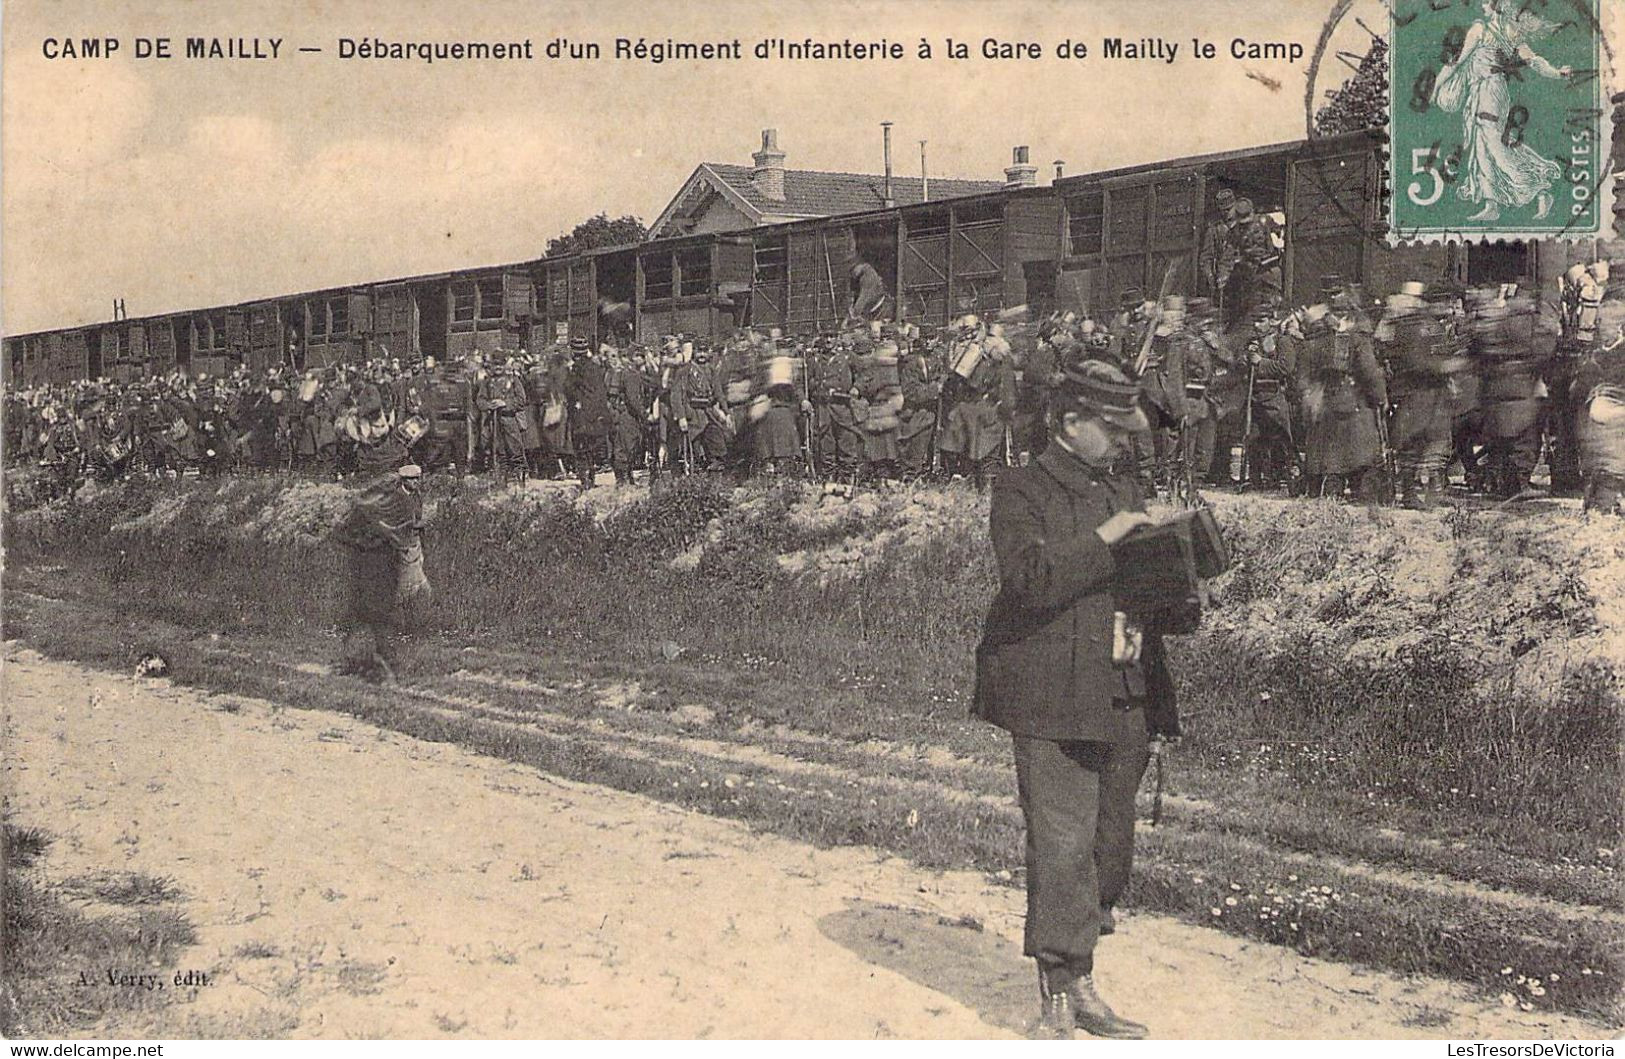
1094 387
1224 197
410 470
1131 297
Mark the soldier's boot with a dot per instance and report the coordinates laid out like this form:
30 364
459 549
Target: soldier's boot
1409 485
1603 493
1502 482
1093 1015
1057 1018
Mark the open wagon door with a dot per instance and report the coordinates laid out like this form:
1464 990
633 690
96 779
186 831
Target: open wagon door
1330 204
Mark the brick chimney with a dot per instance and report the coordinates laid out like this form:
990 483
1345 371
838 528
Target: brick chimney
1021 173
768 175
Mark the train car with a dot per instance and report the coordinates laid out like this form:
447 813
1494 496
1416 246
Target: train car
697 285
1127 227
26 361
937 259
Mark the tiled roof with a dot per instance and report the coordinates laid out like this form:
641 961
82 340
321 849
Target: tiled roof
820 194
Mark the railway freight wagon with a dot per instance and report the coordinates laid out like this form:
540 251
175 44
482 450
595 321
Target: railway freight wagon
1125 228
936 260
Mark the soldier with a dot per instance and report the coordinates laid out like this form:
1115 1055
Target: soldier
697 402
1162 390
981 404
1509 352
879 397
921 379
550 389
1218 254
1343 389
1269 448
1580 291
1422 358
383 536
1599 382
501 398
626 388
1081 715
63 453
588 410
1127 328
839 441
1029 428
1256 277
1204 357
869 298
447 402
734 370
533 376
778 407
658 372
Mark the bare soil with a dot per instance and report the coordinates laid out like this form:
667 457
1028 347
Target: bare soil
348 881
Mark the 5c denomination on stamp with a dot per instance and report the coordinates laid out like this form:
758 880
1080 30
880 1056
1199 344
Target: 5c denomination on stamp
1497 120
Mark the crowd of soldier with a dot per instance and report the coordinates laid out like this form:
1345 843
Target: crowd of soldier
1341 397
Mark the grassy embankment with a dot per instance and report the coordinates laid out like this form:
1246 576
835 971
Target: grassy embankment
1402 729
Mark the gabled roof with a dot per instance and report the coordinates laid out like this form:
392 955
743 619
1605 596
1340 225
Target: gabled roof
809 193
819 194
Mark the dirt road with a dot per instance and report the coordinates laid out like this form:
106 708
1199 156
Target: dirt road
351 882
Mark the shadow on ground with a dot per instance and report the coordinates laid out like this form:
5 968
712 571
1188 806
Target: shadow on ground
956 958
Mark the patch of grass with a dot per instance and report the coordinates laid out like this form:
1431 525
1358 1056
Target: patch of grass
257 950
359 978
25 845
122 888
1427 1017
58 959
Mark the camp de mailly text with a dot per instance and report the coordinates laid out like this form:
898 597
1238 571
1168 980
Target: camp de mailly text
667 49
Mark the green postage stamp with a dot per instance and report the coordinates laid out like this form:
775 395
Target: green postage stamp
1497 120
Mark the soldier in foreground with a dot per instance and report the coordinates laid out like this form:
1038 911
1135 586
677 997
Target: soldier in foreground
1079 686
383 534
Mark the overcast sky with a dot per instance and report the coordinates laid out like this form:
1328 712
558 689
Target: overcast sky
186 183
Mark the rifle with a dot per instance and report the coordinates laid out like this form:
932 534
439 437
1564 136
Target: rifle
1390 468
807 444
1247 421
936 428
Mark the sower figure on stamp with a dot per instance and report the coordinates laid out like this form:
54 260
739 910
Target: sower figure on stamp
1079 687
1498 169
383 534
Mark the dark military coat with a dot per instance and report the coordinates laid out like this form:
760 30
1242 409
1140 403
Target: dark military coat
589 399
1342 387
1044 667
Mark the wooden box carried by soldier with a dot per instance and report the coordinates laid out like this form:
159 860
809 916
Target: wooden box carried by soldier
1161 567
